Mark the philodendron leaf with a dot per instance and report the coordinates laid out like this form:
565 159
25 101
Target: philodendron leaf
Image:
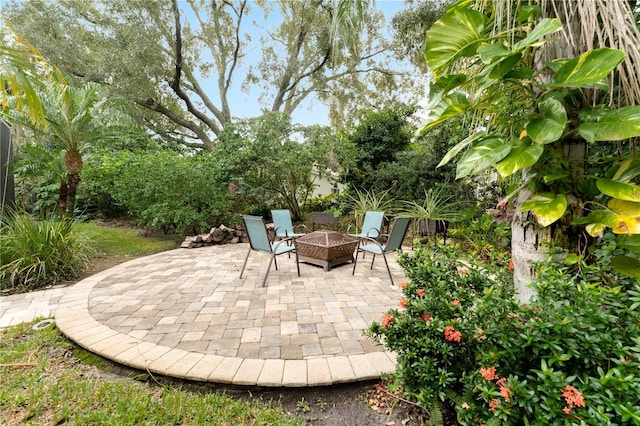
545 27
629 242
482 156
450 106
460 146
587 69
457 34
626 265
619 190
550 125
627 216
447 83
489 52
547 207
523 154
617 125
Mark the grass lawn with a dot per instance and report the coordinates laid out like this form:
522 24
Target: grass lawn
43 381
124 241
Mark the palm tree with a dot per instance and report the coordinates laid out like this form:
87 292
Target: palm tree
70 127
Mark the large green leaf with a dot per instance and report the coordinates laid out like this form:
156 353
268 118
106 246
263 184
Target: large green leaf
482 156
627 216
626 265
629 242
618 125
523 154
451 106
447 83
489 52
547 207
545 27
588 68
619 190
460 146
597 221
550 125
626 170
457 34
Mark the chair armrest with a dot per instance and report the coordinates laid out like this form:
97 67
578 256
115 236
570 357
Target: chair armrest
284 240
371 240
372 229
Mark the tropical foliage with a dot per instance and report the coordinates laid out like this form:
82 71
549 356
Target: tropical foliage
465 346
540 124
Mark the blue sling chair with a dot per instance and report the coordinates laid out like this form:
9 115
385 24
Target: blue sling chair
371 226
394 243
259 241
283 225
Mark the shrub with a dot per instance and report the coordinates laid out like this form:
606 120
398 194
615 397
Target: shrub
161 189
39 252
570 357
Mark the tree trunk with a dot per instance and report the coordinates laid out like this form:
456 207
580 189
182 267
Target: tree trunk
527 246
73 163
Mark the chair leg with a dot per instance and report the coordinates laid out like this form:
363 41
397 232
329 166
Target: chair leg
374 258
355 261
297 262
266 275
388 270
245 262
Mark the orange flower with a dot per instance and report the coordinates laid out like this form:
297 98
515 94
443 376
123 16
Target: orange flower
573 397
452 335
421 292
494 404
403 302
426 317
402 285
505 392
511 266
480 334
488 373
455 302
386 320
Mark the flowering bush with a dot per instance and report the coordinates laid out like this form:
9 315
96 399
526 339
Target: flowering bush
571 357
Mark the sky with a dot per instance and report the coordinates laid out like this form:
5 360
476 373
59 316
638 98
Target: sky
311 111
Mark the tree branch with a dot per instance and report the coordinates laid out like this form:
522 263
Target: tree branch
152 105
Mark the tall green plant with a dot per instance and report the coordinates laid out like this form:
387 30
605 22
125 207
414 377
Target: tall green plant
363 201
437 205
39 252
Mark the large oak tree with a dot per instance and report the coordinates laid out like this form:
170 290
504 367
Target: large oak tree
179 61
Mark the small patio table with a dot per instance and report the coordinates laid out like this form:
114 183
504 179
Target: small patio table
325 248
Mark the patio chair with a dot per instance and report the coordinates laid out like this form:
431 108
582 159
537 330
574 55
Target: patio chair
371 227
259 241
283 225
393 243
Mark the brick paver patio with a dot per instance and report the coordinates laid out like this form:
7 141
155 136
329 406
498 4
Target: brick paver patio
185 313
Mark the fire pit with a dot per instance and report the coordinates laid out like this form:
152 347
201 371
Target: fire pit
325 248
